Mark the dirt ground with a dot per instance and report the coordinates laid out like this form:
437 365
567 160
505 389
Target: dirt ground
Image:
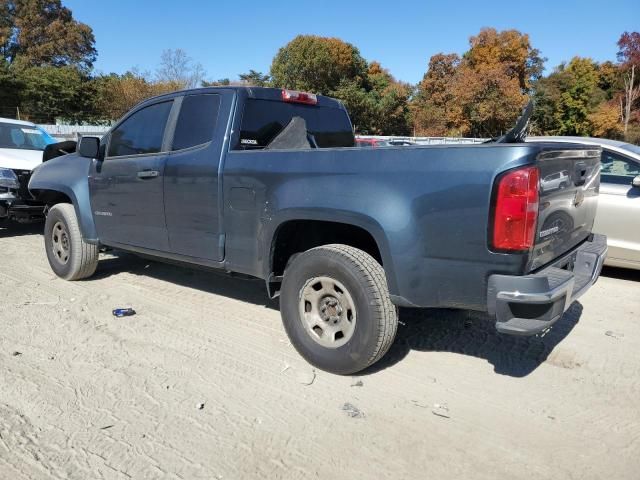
203 383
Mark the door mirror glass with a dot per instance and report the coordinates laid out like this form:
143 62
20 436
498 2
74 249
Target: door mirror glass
636 181
89 147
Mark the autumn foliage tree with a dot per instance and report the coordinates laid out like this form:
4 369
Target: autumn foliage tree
482 93
114 95
47 56
377 102
434 105
45 59
44 33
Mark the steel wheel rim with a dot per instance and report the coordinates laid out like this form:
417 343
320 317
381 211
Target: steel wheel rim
327 311
60 243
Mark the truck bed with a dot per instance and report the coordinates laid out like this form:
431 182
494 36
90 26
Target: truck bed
428 208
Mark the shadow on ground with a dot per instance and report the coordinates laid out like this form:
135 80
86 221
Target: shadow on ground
621 273
428 330
474 334
13 229
243 288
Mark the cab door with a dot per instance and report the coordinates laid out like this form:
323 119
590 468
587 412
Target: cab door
619 209
126 187
192 194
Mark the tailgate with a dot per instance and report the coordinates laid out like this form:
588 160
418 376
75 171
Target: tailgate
569 184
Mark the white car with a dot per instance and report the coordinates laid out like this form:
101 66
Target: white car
21 149
618 215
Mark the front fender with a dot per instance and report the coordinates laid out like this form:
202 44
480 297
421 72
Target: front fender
68 175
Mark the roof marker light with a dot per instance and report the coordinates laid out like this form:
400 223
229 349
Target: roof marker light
294 96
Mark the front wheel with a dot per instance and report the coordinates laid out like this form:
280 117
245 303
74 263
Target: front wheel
336 308
69 255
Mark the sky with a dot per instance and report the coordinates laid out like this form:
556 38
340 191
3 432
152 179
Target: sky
229 38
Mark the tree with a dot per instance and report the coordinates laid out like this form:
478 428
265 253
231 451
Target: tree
254 78
629 45
10 88
317 64
6 28
629 57
580 98
49 93
546 96
488 101
434 100
178 68
511 50
117 94
482 93
43 32
221 82
609 79
605 121
377 103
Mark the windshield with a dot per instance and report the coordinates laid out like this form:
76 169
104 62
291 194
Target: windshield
631 148
24 137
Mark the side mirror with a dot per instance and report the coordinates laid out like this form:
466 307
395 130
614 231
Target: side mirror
636 181
89 147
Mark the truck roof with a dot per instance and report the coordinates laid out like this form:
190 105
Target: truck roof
262 93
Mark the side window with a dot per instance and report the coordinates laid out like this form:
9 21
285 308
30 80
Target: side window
617 169
197 120
142 132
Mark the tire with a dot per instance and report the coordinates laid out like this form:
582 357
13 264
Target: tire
336 308
70 257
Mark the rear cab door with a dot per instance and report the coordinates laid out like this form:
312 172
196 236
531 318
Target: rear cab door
192 179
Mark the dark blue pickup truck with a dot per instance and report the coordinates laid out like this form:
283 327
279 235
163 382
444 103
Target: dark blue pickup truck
267 182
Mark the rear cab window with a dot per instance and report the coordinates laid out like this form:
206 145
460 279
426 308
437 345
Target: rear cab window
263 120
196 121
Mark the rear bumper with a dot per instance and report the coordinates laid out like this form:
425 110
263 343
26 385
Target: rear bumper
529 304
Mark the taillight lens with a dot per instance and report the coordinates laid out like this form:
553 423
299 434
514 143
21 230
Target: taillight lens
516 210
293 96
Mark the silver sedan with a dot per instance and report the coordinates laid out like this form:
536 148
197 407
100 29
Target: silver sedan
618 215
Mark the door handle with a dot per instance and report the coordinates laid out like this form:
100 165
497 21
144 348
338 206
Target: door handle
148 174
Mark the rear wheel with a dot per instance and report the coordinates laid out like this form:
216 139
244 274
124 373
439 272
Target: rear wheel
70 257
336 308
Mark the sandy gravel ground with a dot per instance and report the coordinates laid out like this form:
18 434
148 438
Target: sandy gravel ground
202 383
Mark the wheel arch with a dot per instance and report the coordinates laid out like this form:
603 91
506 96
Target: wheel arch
309 229
63 194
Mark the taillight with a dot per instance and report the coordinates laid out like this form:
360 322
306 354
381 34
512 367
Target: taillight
516 210
293 96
